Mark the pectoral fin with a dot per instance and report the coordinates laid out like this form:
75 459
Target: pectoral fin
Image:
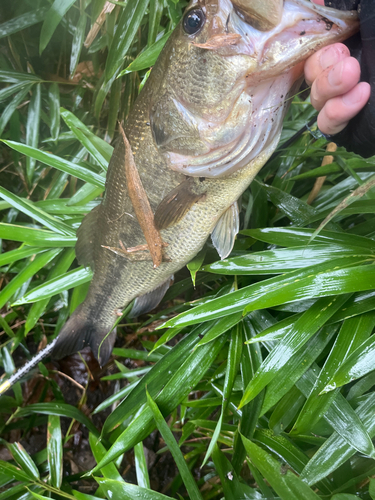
150 300
225 231
176 204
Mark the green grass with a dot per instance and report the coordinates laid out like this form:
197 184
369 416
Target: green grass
264 375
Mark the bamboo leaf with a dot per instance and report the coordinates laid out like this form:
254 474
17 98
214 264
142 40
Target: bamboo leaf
59 163
77 43
143 478
127 491
173 393
358 364
191 487
55 451
54 108
29 209
52 19
28 272
24 460
32 129
98 450
288 486
61 410
128 24
12 106
37 237
22 22
99 149
56 285
148 57
314 281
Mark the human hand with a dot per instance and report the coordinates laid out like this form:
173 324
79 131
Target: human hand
335 91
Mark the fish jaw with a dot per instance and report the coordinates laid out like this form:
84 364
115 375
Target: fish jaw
303 29
297 29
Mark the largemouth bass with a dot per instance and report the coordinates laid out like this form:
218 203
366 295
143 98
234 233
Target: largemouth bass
208 118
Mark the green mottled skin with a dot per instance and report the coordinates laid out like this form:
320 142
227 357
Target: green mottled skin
209 82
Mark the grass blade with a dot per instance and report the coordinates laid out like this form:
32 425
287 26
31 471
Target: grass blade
54 108
54 451
59 163
128 24
52 19
32 129
191 487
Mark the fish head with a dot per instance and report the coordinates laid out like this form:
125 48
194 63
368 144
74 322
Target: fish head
229 67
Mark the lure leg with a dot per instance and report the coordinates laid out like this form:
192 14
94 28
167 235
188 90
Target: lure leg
141 205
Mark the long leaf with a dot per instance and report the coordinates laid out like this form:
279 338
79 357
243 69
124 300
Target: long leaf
52 19
127 27
316 281
59 163
191 487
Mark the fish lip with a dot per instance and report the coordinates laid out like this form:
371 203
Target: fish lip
275 51
328 12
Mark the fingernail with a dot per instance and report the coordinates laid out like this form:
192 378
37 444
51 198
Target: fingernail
328 57
335 75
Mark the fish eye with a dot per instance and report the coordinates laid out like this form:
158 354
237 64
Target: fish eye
194 21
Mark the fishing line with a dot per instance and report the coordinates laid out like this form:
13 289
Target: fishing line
27 367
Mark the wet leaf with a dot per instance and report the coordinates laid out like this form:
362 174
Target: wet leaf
52 19
99 149
143 478
358 364
23 460
55 451
33 267
59 163
195 264
190 484
77 43
109 471
314 281
56 285
61 410
37 237
12 106
128 24
28 208
173 393
287 486
32 129
54 107
23 21
148 57
127 491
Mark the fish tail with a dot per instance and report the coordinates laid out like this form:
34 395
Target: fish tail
79 332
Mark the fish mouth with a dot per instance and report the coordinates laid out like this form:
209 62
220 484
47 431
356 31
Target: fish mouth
287 36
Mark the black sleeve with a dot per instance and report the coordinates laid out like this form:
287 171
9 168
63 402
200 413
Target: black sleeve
359 135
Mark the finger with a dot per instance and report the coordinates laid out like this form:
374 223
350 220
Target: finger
321 60
337 112
335 81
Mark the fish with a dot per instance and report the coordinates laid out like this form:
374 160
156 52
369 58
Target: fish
208 118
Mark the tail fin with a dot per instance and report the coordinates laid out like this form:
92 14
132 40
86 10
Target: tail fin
78 332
